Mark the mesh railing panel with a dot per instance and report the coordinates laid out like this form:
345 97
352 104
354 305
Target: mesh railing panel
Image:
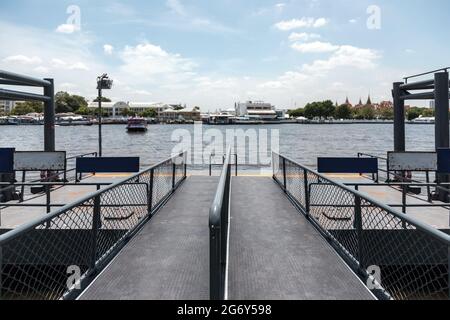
38 262
412 259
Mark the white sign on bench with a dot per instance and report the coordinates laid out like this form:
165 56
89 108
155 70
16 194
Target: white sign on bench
412 161
39 161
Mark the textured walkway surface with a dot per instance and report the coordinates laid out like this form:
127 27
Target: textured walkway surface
169 258
275 253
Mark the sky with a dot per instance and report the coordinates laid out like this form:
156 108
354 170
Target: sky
215 53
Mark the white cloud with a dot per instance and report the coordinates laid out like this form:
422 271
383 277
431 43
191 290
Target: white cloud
316 46
147 60
67 28
288 25
294 36
280 6
176 6
353 21
108 49
346 56
22 59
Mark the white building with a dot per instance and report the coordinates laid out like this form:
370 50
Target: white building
114 109
7 106
256 110
432 104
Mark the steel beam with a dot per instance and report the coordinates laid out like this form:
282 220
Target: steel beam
419 96
16 83
49 117
417 85
17 95
442 132
24 79
399 118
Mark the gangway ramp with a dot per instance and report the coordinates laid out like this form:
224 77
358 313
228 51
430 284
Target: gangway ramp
169 258
275 253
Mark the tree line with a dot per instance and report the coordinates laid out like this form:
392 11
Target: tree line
326 109
67 103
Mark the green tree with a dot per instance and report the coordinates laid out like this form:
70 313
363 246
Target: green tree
296 113
104 99
22 108
386 113
426 112
328 108
65 102
414 113
322 109
149 113
367 113
84 111
343 112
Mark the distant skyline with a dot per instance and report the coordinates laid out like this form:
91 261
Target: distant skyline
215 53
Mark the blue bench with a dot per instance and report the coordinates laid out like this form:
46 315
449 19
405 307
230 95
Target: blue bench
107 165
348 165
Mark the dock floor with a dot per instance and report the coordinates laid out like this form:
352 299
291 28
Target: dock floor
13 217
169 258
275 253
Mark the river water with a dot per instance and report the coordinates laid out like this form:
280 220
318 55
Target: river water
298 141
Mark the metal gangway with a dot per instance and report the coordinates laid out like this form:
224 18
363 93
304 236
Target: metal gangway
161 234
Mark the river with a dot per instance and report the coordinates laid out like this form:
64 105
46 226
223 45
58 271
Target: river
301 142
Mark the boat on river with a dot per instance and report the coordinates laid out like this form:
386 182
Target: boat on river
137 124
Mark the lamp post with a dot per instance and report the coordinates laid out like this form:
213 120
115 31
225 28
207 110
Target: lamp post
103 82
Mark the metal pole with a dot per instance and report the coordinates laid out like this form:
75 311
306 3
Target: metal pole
359 233
100 120
49 117
95 227
399 118
441 97
1 271
305 173
150 196
284 175
174 168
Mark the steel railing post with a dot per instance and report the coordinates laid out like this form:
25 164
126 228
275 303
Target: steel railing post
215 273
174 168
284 175
448 270
96 220
307 208
150 195
1 272
185 164
359 232
22 189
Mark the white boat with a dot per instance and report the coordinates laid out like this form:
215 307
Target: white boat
424 120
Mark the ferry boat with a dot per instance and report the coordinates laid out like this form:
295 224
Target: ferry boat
424 120
137 124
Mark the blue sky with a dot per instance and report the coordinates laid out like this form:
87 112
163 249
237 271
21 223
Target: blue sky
213 53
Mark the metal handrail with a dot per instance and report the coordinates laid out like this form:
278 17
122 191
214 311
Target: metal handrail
92 245
425 73
351 239
437 234
5 238
218 225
